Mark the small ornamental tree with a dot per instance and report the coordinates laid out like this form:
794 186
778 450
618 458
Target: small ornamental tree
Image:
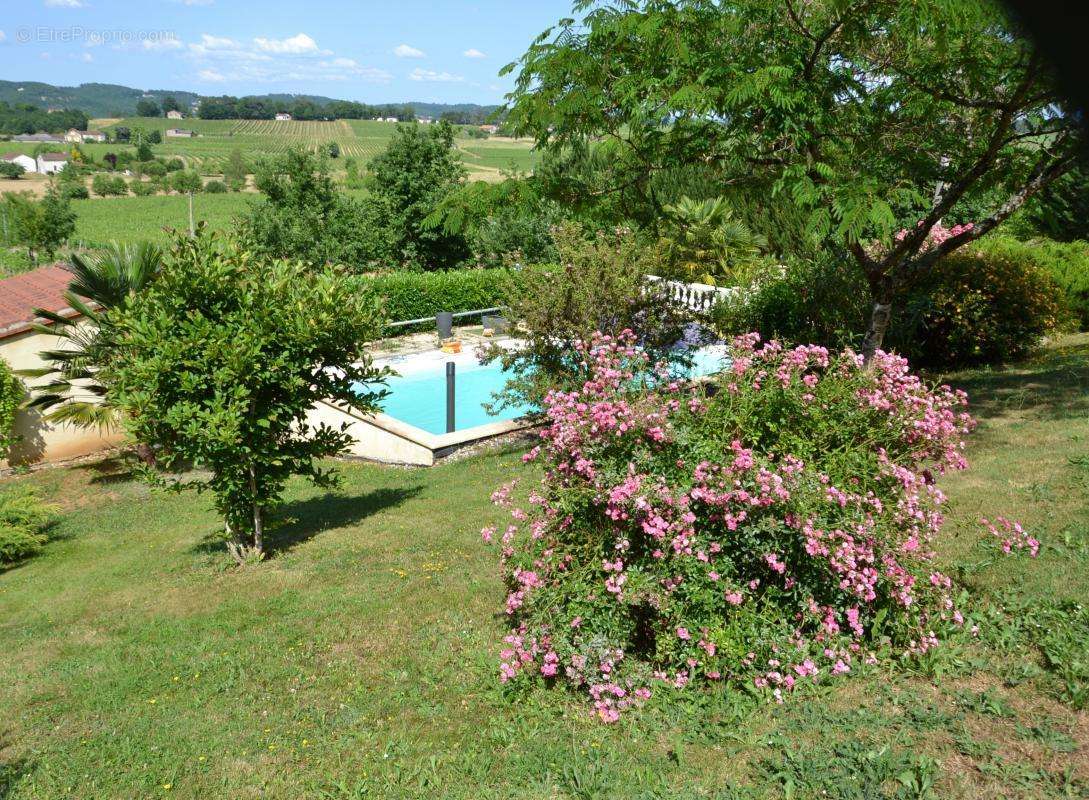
186 182
235 171
219 362
773 533
599 285
40 225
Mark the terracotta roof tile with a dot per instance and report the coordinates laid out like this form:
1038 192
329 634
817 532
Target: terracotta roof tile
21 294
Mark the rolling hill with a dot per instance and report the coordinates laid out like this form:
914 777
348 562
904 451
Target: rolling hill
112 100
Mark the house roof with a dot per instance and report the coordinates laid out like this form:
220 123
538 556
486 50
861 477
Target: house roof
21 294
53 156
13 156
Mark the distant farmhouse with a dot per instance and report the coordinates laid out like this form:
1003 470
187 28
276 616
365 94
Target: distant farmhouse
79 137
50 138
283 116
424 120
180 133
490 128
51 163
174 115
26 162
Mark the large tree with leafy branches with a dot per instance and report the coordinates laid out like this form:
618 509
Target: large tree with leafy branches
417 170
875 116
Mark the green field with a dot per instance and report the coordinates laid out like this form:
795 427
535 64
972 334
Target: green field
132 219
359 660
361 139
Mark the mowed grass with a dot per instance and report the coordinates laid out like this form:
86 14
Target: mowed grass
132 219
359 660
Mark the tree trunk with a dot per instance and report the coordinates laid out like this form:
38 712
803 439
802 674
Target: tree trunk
879 323
258 522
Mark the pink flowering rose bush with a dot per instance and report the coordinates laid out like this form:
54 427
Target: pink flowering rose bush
771 528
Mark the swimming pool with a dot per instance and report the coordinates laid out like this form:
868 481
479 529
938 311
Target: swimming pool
417 395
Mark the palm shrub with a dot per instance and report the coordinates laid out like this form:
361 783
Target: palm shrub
704 242
25 523
219 362
72 392
773 533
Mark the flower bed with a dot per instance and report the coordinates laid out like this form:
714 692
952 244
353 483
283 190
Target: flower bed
771 530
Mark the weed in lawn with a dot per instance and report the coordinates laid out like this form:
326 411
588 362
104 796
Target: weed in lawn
1049 736
987 702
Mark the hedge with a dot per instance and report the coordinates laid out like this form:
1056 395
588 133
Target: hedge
413 295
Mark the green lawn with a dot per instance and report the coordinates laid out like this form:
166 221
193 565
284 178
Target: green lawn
359 661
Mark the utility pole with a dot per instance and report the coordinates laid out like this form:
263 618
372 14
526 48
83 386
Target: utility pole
192 228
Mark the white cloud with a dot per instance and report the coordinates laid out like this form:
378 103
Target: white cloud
405 51
86 58
297 45
339 69
221 47
196 2
3 36
472 52
430 76
166 43
266 60
217 42
64 3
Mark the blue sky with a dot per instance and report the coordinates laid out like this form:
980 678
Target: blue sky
397 50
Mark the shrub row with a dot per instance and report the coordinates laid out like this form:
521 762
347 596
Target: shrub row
986 303
413 295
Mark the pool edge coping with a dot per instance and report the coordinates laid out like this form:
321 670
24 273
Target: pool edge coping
436 443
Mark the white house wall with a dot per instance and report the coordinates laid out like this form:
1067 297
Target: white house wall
41 440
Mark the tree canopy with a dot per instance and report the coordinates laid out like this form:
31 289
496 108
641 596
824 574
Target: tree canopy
418 169
874 116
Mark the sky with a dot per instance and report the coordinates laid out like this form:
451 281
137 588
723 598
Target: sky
370 51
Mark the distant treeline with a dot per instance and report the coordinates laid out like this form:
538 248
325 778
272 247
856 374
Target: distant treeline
227 107
24 118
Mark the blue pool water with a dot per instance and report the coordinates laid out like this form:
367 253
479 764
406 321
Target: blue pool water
418 395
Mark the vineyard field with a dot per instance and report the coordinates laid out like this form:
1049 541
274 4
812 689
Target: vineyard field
359 139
